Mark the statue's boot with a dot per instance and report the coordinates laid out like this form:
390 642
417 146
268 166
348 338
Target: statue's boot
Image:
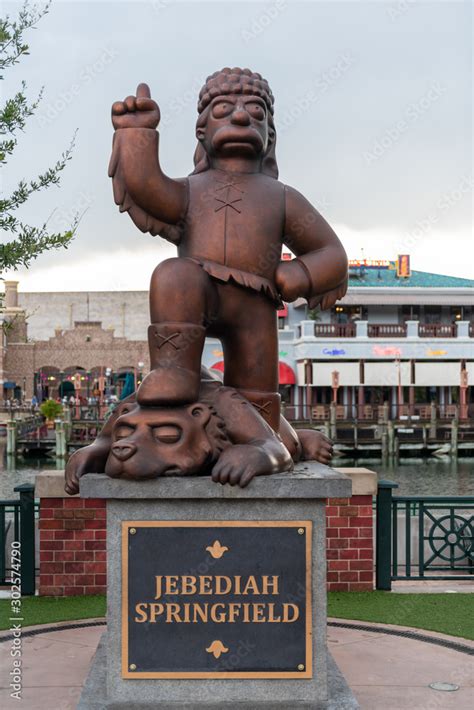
267 404
175 359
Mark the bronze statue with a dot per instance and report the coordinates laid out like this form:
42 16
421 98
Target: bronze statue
229 220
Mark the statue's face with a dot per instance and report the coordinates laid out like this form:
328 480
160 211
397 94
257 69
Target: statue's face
151 442
236 125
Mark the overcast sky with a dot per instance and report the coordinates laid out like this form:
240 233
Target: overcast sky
373 114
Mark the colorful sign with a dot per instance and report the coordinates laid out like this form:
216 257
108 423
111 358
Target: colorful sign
436 353
387 351
334 352
369 263
403 266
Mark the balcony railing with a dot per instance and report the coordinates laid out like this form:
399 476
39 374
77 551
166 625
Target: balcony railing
437 330
334 330
387 330
411 414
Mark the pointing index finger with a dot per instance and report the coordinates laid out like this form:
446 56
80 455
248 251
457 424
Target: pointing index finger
143 91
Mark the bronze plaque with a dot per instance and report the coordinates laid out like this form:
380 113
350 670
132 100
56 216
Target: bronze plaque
216 599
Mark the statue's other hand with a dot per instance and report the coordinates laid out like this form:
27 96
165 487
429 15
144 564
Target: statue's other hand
138 111
75 468
291 280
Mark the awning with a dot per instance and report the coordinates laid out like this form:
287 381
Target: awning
437 374
286 375
348 373
9 385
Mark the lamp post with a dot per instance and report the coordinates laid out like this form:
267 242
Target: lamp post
464 384
399 387
139 374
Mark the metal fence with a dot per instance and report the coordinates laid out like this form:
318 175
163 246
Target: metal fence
423 537
17 525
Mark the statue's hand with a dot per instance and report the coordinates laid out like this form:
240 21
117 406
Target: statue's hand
291 280
138 111
90 459
315 446
240 463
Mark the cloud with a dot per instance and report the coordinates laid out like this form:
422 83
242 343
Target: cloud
122 270
430 250
130 269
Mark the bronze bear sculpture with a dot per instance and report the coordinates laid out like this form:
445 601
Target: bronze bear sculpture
222 434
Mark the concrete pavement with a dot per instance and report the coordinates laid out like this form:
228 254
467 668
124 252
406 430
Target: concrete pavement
385 672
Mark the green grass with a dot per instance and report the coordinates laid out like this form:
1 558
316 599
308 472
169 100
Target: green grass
451 614
45 610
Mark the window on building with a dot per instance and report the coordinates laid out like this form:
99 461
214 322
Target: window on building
410 313
432 314
458 313
346 314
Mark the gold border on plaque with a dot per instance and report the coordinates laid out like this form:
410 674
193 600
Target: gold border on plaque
308 661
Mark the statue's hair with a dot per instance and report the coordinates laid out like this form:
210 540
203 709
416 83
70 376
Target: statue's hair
235 81
232 82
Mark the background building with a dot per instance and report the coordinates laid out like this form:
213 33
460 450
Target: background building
399 338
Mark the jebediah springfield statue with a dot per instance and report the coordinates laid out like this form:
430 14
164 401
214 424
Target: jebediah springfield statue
229 220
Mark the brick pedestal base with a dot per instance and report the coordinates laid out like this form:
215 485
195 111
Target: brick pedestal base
350 547
72 535
72 547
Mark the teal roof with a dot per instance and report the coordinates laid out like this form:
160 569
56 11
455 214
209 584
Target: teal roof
418 279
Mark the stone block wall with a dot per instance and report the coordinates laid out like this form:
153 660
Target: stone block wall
72 538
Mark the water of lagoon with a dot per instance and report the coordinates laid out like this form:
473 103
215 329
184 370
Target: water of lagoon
431 476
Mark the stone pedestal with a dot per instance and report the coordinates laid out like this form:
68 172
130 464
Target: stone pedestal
293 502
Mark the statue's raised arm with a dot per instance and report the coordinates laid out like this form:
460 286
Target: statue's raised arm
154 201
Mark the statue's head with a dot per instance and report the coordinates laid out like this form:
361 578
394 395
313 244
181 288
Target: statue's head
149 442
236 118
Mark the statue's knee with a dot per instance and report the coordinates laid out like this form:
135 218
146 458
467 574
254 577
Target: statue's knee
175 271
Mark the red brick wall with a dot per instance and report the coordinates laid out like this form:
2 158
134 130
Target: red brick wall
73 558
72 546
350 547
